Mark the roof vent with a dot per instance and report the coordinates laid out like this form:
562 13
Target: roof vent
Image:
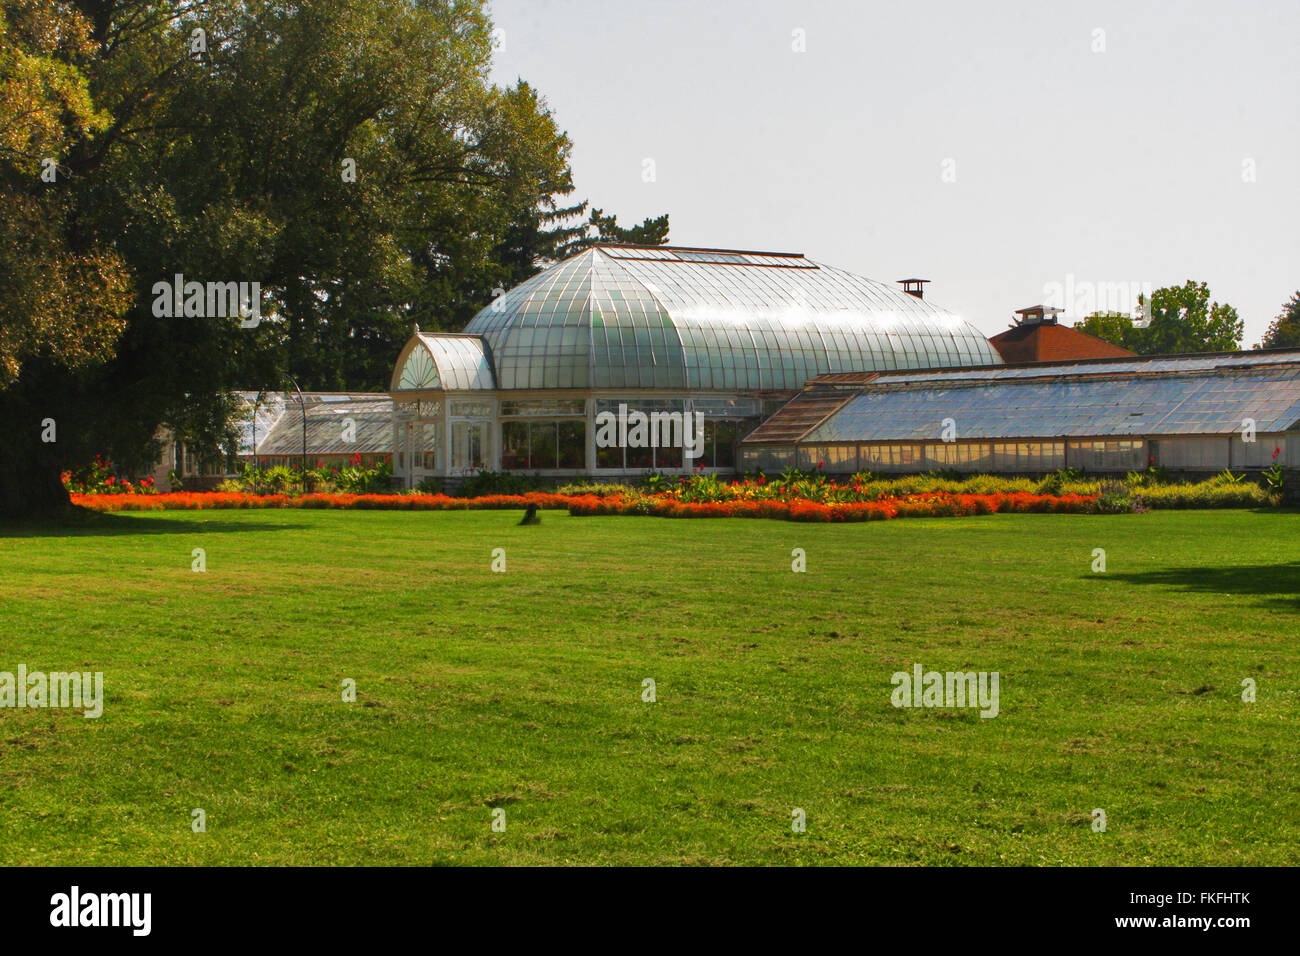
914 287
1038 315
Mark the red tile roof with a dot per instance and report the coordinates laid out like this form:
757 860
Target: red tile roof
1049 342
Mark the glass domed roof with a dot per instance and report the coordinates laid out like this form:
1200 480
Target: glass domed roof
698 319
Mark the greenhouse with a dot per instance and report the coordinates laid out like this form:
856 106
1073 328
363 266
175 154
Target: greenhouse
1198 413
723 337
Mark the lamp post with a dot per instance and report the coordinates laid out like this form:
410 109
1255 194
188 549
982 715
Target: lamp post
302 405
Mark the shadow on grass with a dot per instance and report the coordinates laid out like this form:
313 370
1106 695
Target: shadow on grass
1279 583
90 524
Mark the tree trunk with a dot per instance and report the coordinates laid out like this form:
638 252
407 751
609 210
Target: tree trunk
30 487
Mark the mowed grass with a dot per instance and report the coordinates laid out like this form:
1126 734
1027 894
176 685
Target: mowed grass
523 691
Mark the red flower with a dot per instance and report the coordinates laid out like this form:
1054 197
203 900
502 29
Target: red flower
109 480
821 465
1277 451
1151 460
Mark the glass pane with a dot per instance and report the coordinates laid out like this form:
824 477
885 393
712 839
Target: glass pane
640 458
542 444
514 445
725 437
573 444
668 458
609 457
467 446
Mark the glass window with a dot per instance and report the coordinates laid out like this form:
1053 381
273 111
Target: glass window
542 445
640 457
472 409
768 458
467 441
426 455
573 444
514 445
720 440
609 457
668 458
575 406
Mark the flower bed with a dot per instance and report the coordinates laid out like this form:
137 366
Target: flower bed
936 505
199 501
911 506
99 478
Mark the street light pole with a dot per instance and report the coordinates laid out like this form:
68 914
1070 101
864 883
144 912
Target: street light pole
302 405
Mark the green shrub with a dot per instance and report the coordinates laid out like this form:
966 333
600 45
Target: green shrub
1208 494
501 483
1056 481
1117 498
1272 477
600 489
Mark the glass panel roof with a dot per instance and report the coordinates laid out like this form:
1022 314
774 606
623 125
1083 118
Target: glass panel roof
274 420
1210 396
659 317
450 362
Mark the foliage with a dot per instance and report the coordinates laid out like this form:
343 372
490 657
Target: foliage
100 478
1117 497
797 496
598 489
601 228
429 485
801 509
1284 332
1053 483
1209 494
1182 319
219 500
501 483
235 164
62 299
1273 477
355 477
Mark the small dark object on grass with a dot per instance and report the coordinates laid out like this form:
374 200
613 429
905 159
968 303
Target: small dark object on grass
530 516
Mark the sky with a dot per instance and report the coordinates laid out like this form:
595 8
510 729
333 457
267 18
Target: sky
1011 152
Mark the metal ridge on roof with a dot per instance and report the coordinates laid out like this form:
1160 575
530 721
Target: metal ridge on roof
1119 359
737 252
1077 369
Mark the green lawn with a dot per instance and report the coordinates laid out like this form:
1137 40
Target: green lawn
523 690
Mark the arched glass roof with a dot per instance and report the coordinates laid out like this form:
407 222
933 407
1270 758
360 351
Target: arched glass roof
698 319
443 361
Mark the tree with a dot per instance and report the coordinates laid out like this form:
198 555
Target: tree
62 299
549 235
1284 333
1113 327
353 159
1182 319
602 229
